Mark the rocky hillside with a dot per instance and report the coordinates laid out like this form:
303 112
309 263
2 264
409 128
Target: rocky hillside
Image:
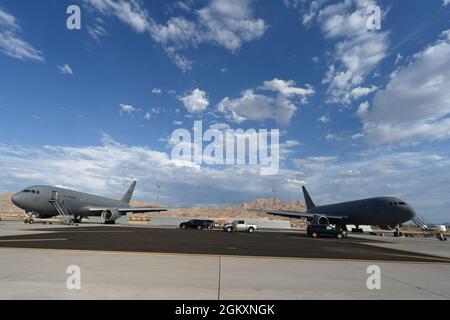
222 213
6 206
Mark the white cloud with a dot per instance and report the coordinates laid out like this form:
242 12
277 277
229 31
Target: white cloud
131 12
250 106
65 69
225 23
97 31
230 23
11 42
126 108
196 101
363 110
415 105
324 119
288 89
258 107
360 92
357 51
8 21
446 2
156 91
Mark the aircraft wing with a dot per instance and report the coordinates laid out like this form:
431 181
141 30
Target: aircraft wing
288 214
296 214
128 210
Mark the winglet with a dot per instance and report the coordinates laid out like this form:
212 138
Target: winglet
309 203
127 196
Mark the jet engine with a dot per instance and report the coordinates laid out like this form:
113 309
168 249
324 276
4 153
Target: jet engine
321 220
110 216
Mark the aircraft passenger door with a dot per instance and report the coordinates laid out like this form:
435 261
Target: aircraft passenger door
36 195
53 196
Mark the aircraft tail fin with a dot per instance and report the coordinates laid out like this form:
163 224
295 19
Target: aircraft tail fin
309 203
127 196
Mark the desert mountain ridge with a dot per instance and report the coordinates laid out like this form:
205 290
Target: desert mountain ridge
7 208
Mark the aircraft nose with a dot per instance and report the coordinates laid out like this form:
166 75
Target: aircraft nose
16 199
412 214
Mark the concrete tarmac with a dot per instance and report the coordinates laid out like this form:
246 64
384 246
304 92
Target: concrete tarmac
119 262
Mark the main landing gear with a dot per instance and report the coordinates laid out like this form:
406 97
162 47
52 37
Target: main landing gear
77 219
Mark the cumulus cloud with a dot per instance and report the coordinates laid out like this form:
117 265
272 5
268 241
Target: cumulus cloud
228 24
65 69
11 41
196 101
249 106
415 105
258 107
358 50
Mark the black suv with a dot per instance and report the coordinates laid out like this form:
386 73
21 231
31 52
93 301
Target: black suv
197 224
316 230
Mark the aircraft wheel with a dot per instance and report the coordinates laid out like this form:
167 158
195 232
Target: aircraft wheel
315 235
340 236
199 228
25 221
31 221
183 226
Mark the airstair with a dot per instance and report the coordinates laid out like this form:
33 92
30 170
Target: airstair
423 226
61 207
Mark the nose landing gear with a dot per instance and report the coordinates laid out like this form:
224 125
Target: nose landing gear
29 218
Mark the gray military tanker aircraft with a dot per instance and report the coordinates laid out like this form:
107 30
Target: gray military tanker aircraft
48 201
382 211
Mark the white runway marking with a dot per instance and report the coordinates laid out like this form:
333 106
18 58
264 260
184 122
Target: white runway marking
28 240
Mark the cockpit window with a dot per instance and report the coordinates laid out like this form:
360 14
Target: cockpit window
402 203
27 191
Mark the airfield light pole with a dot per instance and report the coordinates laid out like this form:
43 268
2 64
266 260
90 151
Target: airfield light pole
274 198
159 188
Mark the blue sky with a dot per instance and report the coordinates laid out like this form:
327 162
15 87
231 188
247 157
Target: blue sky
361 112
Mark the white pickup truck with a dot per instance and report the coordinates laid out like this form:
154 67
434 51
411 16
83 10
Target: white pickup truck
240 225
